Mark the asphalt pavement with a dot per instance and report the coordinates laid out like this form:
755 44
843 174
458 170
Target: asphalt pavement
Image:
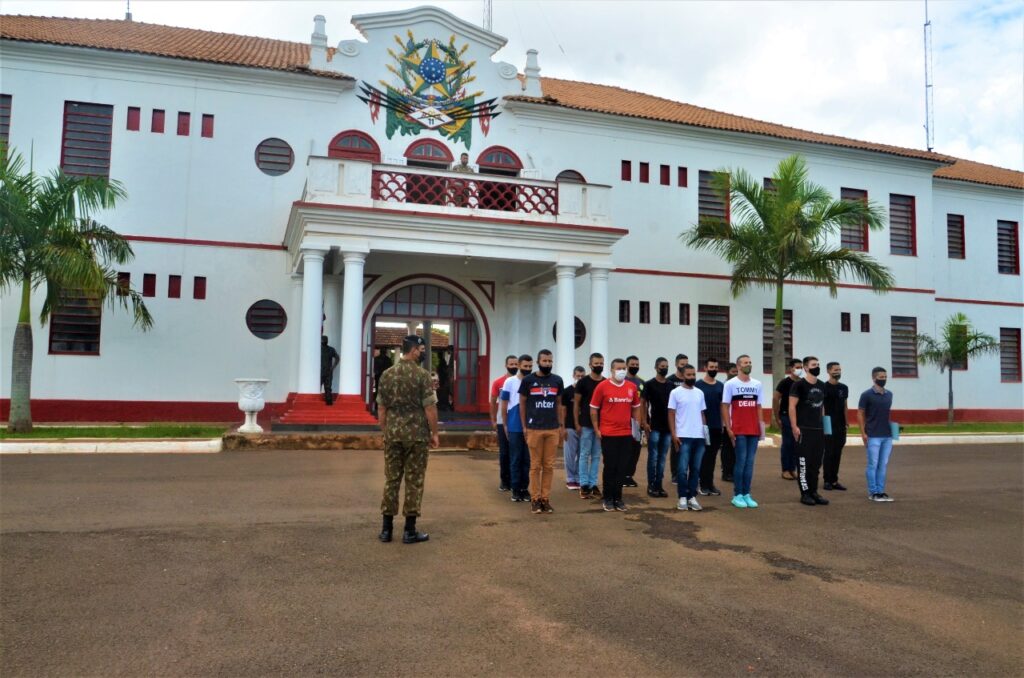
267 563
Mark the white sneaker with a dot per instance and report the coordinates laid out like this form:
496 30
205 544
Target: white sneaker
885 497
682 504
694 506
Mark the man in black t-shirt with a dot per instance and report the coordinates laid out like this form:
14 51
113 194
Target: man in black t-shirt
806 412
590 444
659 437
836 395
571 446
780 417
632 369
543 418
676 378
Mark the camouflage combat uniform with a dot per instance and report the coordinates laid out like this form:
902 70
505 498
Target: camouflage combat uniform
405 390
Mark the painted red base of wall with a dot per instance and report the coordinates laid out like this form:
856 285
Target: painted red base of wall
47 411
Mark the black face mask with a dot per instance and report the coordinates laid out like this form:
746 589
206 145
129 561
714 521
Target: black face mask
880 383
633 370
689 382
662 371
512 370
524 372
597 369
679 371
712 373
544 369
815 371
837 376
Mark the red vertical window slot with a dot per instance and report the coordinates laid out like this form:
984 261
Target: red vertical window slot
174 287
149 285
666 175
133 118
199 287
645 172
184 120
627 170
208 125
681 178
157 125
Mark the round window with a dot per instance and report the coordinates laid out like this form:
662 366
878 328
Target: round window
274 156
581 332
266 319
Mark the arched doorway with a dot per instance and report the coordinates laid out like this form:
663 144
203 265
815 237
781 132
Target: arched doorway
455 337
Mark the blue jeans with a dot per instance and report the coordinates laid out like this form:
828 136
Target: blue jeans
504 473
691 451
878 450
658 444
571 455
743 472
590 457
519 461
788 448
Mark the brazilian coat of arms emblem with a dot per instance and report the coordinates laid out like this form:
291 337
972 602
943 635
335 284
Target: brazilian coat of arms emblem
433 93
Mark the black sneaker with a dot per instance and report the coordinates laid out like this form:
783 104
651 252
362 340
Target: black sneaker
652 491
818 499
629 482
584 491
536 507
807 500
828 486
619 505
838 486
702 492
885 497
726 479
714 491
503 488
608 505
546 506
595 492
662 492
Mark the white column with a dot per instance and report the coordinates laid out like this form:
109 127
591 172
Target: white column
565 341
295 313
513 322
599 311
312 317
542 312
332 309
351 323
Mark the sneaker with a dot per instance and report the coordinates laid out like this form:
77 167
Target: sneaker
875 497
629 482
818 499
584 492
750 501
828 486
694 505
838 486
546 506
595 492
726 478
715 492
739 502
886 497
652 491
536 506
503 488
608 505
620 505
682 505
807 500
572 486
662 493
702 492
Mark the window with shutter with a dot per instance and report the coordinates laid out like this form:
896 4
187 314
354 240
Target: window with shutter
1009 247
710 204
85 146
955 236
712 334
854 236
1009 354
904 346
767 335
902 225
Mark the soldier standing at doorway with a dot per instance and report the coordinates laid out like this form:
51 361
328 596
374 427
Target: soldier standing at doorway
328 361
407 410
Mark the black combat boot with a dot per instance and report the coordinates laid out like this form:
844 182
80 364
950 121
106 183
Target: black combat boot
387 529
410 535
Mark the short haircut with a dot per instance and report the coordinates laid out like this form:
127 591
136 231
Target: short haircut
681 356
526 356
661 359
616 361
689 367
632 357
794 361
510 357
543 352
729 366
411 342
740 357
831 365
876 370
596 355
808 359
710 360
579 368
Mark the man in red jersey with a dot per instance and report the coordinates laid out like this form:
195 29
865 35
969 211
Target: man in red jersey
616 405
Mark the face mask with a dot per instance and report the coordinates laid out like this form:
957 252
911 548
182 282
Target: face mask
597 369
799 374
633 370
544 369
662 371
837 376
880 383
745 370
620 375
512 370
815 371
679 370
712 373
524 372
689 382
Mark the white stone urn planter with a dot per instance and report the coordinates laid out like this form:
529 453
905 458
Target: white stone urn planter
250 401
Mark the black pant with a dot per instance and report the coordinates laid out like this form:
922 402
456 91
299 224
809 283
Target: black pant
834 445
617 451
810 449
673 458
325 381
634 459
707 463
728 455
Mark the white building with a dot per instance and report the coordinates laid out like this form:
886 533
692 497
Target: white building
268 180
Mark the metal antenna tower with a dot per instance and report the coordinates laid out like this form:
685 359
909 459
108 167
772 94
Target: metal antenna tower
489 15
929 100
128 10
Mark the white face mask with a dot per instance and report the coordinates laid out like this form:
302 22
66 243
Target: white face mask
620 375
799 374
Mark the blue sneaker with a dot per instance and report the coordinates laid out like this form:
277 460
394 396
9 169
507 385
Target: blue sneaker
739 501
750 501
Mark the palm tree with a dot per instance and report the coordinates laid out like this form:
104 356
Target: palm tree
780 231
49 239
957 343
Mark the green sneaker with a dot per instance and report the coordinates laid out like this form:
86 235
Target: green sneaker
750 501
739 501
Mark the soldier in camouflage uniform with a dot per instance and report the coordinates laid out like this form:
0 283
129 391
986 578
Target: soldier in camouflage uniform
407 409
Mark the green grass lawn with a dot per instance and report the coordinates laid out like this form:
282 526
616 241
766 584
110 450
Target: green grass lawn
143 431
969 427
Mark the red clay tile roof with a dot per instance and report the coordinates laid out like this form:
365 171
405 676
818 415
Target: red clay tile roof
281 55
393 336
167 41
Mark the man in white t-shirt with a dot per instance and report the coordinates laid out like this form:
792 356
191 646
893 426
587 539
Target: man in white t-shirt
686 422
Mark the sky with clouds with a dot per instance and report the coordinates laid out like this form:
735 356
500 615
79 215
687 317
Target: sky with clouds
850 68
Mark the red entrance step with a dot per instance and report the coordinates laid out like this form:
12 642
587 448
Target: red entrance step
309 408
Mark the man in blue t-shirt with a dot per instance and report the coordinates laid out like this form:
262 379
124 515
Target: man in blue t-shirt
876 432
518 452
712 389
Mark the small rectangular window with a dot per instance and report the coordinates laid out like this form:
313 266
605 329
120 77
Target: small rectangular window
955 236
134 113
768 336
865 322
149 285
1009 354
666 175
645 312
710 204
627 170
681 179
174 287
645 172
85 146
844 322
1009 247
623 310
75 324
664 313
904 346
854 236
184 121
684 314
208 125
157 123
199 287
902 225
124 283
